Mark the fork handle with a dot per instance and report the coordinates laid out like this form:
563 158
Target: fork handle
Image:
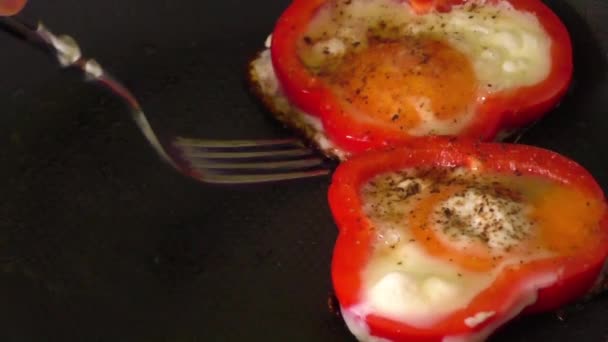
23 30
68 54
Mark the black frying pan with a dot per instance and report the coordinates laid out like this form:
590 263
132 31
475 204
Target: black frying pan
100 241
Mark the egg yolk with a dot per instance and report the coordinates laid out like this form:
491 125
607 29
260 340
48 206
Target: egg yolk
479 222
562 222
402 82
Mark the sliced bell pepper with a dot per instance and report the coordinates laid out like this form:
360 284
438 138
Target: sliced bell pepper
494 112
569 218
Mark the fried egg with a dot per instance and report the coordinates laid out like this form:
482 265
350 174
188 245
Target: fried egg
441 239
422 73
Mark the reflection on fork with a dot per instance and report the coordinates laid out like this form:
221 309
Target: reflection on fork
210 161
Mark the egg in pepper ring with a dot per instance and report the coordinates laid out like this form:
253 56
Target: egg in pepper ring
357 75
447 240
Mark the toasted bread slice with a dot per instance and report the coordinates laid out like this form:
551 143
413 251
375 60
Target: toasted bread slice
266 86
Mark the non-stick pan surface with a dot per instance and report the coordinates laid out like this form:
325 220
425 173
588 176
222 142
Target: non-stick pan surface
100 241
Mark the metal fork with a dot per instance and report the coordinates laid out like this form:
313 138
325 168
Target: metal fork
209 161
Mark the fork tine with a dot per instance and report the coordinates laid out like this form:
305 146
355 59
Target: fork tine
185 142
291 153
250 161
288 164
261 178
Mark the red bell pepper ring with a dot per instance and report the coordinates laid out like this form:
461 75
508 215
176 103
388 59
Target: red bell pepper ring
500 111
511 293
